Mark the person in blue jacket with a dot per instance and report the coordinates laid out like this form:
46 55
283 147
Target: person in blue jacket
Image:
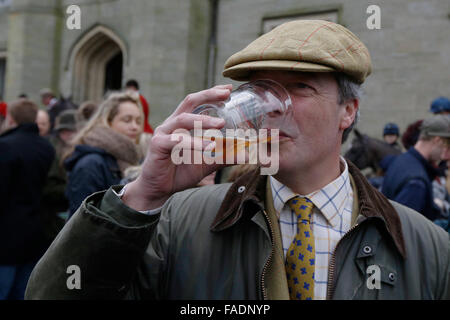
409 177
104 148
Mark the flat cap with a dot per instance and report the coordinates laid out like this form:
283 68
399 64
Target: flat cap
438 125
66 120
303 45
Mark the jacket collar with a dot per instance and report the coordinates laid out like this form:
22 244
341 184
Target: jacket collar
246 197
246 192
25 127
432 172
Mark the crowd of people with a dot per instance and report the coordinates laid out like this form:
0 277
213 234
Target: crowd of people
52 158
91 182
418 177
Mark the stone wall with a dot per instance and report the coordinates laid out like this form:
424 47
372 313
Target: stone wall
30 47
3 45
165 41
3 28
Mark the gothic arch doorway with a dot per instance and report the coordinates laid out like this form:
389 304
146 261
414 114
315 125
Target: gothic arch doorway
97 64
113 73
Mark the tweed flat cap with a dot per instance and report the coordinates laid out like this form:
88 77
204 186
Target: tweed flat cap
303 45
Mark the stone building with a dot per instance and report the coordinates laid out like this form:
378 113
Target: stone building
173 47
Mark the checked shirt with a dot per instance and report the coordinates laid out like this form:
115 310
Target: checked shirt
331 219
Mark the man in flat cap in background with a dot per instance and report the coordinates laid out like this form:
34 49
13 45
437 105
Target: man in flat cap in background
311 231
54 201
410 176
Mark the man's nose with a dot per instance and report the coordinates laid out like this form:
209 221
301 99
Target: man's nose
134 125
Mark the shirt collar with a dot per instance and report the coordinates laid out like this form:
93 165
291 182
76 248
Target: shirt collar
330 200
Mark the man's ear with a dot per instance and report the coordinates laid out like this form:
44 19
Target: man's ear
10 122
348 113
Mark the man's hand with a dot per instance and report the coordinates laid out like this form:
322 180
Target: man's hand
160 177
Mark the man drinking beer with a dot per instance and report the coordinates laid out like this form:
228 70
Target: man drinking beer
308 232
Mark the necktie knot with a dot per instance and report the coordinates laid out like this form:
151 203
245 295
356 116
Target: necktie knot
302 207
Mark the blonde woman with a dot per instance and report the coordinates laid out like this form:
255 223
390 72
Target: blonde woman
104 148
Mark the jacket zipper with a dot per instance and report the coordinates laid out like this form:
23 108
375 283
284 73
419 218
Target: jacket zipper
270 257
331 268
330 289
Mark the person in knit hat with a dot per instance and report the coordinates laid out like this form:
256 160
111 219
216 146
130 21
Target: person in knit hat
391 133
440 105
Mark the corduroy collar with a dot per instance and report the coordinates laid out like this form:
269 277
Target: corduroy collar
246 197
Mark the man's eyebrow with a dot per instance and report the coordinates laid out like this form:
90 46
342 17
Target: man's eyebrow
314 78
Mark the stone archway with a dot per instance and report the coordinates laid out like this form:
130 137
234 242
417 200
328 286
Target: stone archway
97 64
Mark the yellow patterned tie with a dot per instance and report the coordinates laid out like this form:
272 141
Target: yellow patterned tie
300 257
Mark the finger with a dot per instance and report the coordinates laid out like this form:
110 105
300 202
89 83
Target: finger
187 150
189 121
187 142
193 100
164 145
224 86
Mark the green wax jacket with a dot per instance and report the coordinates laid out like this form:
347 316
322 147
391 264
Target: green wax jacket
222 242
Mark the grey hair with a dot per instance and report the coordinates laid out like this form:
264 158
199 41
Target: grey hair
348 90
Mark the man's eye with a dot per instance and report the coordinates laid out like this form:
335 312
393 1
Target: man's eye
302 85
301 88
